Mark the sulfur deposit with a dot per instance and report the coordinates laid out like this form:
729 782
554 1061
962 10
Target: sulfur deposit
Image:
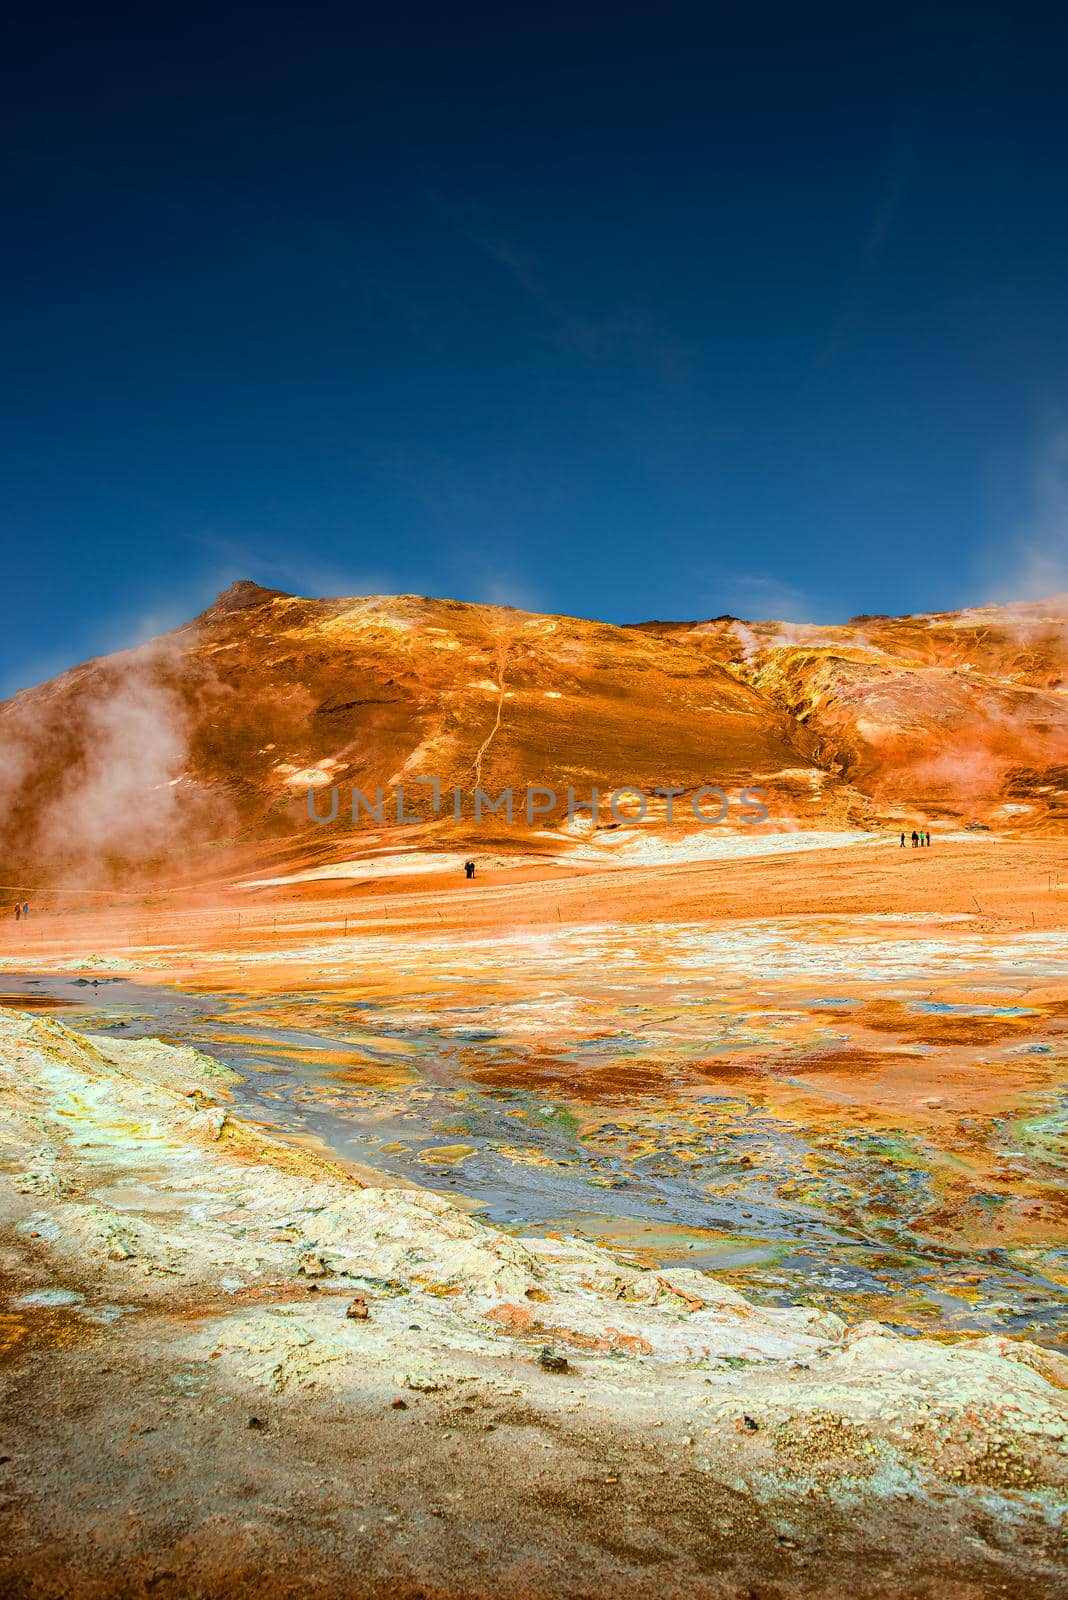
125 1173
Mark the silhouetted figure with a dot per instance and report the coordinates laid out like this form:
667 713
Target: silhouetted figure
18 911
928 836
902 841
469 869
915 838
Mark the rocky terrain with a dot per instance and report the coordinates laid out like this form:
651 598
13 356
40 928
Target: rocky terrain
261 1312
944 716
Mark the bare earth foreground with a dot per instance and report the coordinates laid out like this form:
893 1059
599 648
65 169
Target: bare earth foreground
275 1348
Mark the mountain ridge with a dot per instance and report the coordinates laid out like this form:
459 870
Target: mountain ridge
207 737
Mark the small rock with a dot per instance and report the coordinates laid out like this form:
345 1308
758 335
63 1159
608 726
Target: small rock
256 1422
746 1425
400 1405
312 1266
358 1309
421 1382
549 1361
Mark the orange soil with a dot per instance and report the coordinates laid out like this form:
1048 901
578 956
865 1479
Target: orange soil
997 883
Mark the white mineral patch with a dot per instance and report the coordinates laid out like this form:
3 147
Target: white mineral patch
122 1158
634 847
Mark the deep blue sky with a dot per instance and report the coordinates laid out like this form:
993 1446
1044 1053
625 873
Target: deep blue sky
655 311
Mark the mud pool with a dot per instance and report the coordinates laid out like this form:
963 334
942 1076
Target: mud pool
871 1119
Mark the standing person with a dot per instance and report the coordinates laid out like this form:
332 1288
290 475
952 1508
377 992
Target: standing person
902 841
915 838
25 911
18 911
928 836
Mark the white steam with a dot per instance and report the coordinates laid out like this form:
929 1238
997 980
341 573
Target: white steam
95 769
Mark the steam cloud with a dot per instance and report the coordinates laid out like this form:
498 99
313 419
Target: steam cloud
98 783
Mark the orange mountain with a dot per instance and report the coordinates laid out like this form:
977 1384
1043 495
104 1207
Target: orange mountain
199 747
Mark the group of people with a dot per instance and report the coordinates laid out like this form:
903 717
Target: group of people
22 910
920 838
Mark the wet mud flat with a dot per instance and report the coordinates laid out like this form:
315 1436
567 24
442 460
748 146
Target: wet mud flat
867 1114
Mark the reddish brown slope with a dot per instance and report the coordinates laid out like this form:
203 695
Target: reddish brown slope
204 742
963 714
